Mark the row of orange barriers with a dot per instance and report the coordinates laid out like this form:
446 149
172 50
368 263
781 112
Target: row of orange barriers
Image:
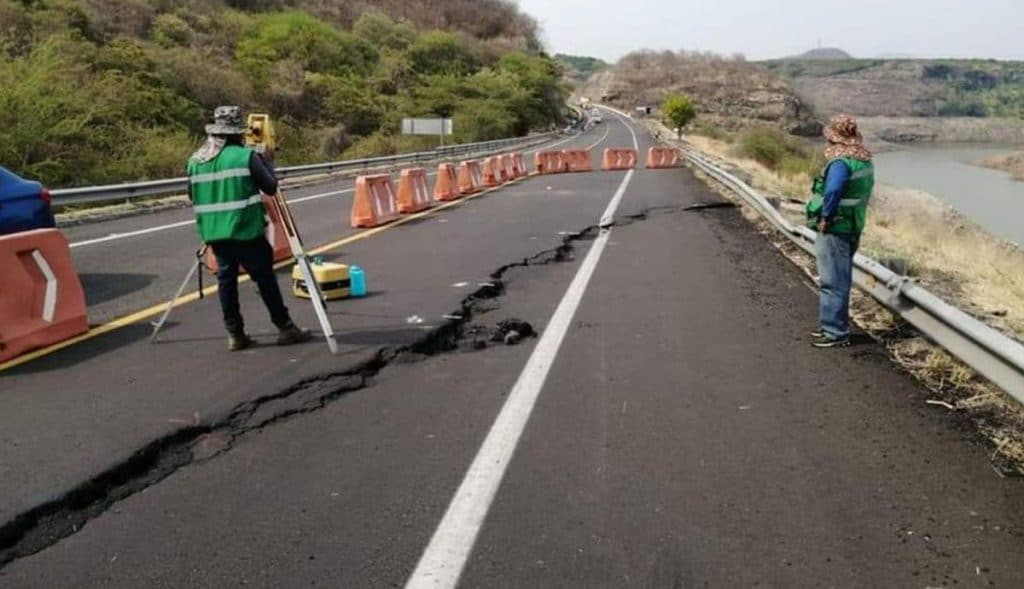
579 160
377 202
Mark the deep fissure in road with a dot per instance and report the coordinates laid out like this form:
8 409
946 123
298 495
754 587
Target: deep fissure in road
47 524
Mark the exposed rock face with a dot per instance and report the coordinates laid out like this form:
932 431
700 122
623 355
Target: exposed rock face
731 94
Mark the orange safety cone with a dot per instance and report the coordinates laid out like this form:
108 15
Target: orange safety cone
375 203
413 194
42 302
447 186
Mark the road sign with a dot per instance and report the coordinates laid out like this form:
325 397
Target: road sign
426 126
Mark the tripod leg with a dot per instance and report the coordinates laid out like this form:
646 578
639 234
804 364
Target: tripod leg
170 305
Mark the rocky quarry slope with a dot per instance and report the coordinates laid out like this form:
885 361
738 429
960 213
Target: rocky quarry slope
728 93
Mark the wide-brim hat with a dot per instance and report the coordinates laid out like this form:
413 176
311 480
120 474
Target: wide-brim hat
842 129
227 120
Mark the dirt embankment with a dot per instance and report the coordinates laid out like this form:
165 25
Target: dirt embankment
1012 163
943 130
916 101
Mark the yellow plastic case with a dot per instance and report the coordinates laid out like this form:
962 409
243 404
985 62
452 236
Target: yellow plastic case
333 280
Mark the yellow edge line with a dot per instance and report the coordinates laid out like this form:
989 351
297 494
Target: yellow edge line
194 296
155 310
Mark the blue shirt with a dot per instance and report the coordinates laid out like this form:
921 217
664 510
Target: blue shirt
836 177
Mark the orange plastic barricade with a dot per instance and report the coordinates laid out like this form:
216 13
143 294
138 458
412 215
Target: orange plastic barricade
578 160
447 186
662 157
41 300
508 170
619 159
550 162
520 164
540 162
492 171
274 233
413 194
471 177
375 203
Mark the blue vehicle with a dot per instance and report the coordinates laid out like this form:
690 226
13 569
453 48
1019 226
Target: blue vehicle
24 204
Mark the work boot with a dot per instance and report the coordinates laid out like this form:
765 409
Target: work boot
239 341
292 334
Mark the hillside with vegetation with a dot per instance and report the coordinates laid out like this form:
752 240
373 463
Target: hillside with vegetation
95 91
908 88
578 69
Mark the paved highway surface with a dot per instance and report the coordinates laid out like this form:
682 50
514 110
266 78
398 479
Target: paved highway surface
668 427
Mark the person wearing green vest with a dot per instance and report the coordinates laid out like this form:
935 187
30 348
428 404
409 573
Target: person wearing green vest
838 211
225 182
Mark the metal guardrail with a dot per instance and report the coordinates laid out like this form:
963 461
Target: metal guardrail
986 350
122 192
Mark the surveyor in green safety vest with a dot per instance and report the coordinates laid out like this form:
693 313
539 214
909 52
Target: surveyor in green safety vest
225 182
838 211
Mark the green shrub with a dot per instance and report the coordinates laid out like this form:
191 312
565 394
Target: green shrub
169 30
783 153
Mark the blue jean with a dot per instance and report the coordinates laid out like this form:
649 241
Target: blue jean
835 270
257 257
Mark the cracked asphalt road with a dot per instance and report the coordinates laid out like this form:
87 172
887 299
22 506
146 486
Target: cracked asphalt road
686 436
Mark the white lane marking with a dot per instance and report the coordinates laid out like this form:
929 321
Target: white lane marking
50 298
190 222
148 230
445 557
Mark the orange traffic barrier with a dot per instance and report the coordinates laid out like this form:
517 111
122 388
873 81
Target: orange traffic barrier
578 160
274 233
471 177
447 186
508 170
662 157
520 164
619 159
41 301
550 162
492 171
375 203
413 194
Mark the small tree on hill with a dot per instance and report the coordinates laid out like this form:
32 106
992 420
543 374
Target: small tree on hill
678 111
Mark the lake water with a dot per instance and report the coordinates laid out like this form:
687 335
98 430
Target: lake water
991 198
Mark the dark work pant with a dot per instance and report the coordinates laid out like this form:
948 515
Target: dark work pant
257 257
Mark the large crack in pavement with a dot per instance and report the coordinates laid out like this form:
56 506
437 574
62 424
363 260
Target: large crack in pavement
48 523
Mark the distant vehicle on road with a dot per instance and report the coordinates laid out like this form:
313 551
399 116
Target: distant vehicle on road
24 204
595 115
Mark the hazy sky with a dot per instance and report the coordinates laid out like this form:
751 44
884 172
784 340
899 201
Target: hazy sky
776 28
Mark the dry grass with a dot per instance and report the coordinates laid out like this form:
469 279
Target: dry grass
1012 163
955 258
950 254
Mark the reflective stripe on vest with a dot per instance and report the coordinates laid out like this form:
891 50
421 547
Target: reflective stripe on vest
222 175
228 206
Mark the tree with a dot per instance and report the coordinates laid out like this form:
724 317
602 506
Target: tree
679 111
